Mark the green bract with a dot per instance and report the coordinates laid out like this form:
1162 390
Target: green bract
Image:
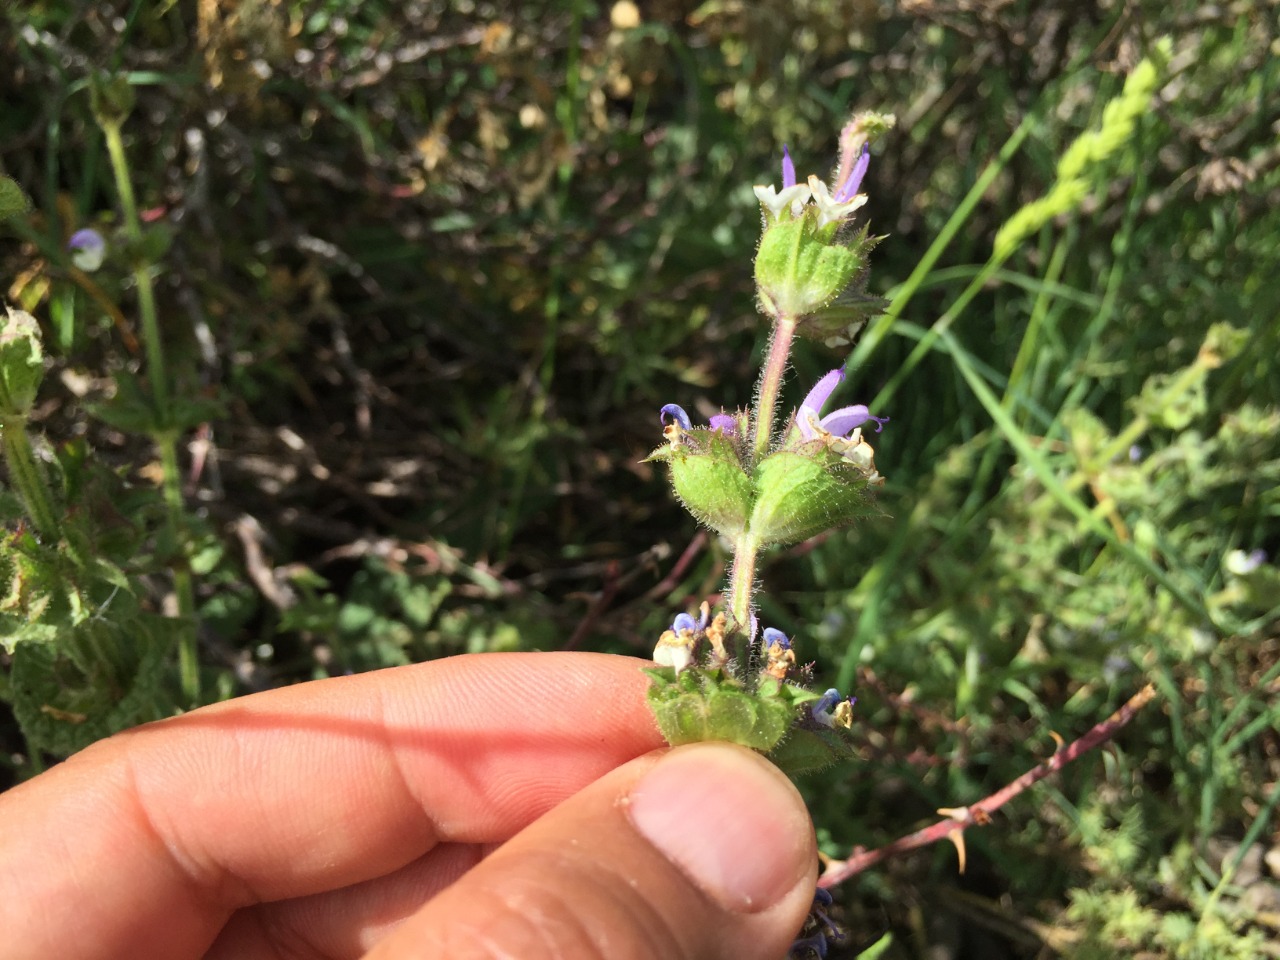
798 270
697 705
792 495
21 363
709 480
805 491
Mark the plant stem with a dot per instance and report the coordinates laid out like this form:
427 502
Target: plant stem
775 367
157 369
743 577
742 581
165 439
956 821
25 475
188 651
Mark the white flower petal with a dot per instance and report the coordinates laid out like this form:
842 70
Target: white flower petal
828 210
791 198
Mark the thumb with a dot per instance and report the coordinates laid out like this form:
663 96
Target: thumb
704 851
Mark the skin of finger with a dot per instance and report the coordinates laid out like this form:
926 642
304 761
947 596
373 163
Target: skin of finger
155 836
582 882
343 923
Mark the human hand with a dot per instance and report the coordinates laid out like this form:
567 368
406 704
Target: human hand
500 805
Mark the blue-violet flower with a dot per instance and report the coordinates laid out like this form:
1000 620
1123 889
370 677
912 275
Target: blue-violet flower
88 249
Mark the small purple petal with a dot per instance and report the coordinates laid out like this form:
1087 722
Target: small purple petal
677 414
88 249
86 239
773 635
788 170
826 703
684 621
822 391
1254 560
847 190
843 421
726 424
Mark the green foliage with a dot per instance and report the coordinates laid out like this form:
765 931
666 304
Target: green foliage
1119 121
13 202
89 681
21 366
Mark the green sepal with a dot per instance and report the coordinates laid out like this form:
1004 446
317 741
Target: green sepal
838 322
21 363
706 705
805 491
707 476
808 751
798 272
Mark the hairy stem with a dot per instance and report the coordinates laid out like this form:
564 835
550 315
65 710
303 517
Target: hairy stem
775 367
742 581
743 577
25 475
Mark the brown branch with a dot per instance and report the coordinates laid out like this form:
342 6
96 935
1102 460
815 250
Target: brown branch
979 814
681 565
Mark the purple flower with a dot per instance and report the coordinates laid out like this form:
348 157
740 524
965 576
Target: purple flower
788 169
677 415
779 657
833 710
676 645
837 423
773 635
685 621
1242 564
790 200
88 249
724 422
848 182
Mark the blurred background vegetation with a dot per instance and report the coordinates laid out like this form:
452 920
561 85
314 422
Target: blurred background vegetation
425 273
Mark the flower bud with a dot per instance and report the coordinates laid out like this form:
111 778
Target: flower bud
111 99
706 472
798 270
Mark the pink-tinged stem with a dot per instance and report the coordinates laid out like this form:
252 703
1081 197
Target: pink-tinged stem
979 814
775 367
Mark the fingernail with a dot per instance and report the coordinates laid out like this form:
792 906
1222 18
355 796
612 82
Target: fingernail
729 820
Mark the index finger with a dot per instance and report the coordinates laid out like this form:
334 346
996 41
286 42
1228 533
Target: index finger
155 836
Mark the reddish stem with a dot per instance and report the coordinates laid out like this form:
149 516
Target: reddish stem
979 814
